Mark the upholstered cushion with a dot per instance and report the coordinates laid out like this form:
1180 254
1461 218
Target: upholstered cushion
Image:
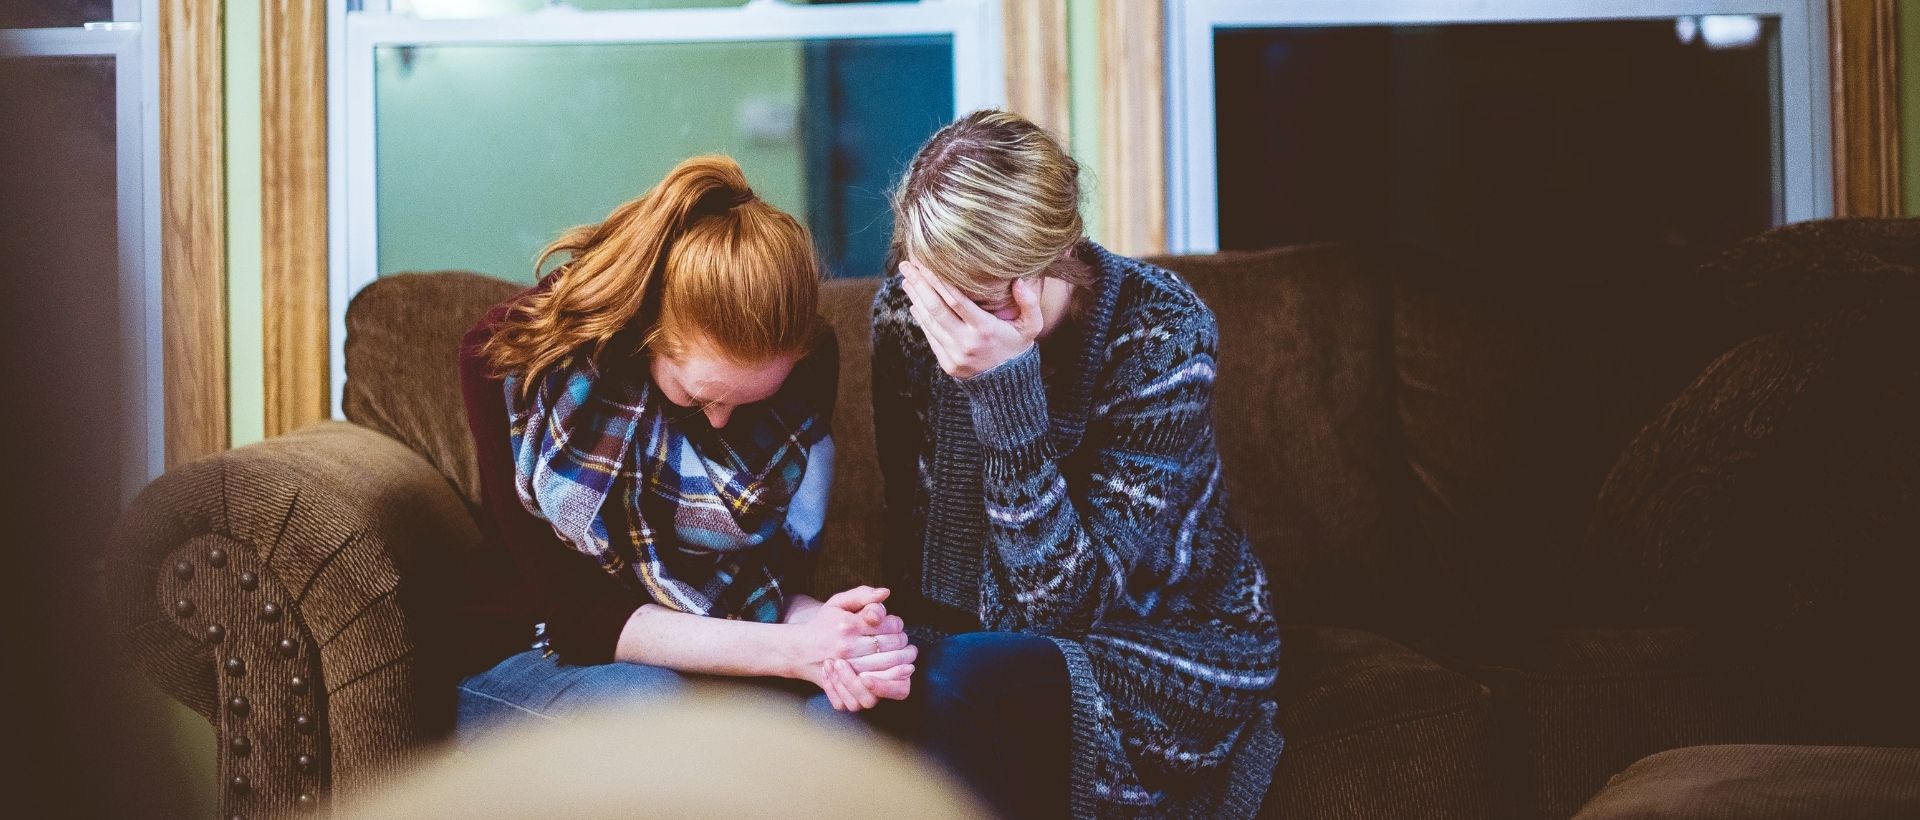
1515 390
850 544
403 364
1770 491
1375 730
1312 451
1573 706
1795 273
1764 783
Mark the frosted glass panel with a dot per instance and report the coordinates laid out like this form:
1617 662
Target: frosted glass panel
486 153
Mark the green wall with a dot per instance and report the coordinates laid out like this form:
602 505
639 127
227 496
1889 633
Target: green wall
246 408
1083 102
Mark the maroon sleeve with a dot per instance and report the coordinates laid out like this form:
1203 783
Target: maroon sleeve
584 607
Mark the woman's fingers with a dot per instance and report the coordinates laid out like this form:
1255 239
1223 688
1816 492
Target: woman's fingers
937 340
1026 296
848 700
852 600
889 689
864 644
892 623
934 318
879 661
901 672
873 614
830 686
856 689
962 307
922 290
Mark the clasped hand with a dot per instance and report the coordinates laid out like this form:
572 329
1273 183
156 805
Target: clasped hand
856 652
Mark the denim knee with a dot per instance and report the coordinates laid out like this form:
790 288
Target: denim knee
531 685
976 668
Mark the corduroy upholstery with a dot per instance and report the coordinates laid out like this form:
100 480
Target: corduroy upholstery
1751 782
403 376
1454 475
1376 730
341 531
1576 705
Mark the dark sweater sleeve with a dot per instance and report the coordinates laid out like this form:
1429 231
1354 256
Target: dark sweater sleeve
584 608
1064 549
897 435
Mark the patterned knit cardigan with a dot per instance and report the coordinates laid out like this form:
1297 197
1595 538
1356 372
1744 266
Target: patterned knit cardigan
1088 506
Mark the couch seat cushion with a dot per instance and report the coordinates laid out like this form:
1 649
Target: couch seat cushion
1573 706
1376 730
1753 781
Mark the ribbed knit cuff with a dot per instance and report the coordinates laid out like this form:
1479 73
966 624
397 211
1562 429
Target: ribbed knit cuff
1009 402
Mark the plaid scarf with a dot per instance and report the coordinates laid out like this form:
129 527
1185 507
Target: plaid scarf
712 522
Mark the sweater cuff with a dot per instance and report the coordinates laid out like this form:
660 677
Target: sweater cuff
591 635
1009 402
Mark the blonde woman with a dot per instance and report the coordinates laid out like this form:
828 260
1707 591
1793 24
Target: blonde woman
651 423
1097 637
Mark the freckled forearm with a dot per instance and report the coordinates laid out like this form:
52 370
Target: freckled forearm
658 636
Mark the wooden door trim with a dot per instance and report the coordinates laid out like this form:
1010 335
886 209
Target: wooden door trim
1132 186
293 178
1036 63
193 230
1865 51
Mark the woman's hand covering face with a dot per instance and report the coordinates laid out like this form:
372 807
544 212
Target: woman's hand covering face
965 338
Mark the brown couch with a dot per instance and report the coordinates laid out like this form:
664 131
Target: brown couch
1528 526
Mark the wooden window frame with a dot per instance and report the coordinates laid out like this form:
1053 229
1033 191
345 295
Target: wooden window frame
193 230
1865 51
293 178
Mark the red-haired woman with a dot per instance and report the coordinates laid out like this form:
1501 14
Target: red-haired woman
651 423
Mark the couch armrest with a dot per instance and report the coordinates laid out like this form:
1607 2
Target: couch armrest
277 589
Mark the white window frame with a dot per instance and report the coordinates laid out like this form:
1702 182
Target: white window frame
355 35
135 50
1803 152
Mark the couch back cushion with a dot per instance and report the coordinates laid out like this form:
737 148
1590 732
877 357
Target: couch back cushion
1516 385
403 364
1311 448
850 544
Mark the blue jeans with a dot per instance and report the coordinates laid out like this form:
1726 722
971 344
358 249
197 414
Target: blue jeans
992 706
532 686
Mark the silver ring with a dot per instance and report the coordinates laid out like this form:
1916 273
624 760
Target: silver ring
876 644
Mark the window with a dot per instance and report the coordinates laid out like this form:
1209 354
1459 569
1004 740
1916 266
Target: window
470 142
1462 126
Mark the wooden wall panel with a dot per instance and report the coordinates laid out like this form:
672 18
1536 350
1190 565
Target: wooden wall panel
1036 42
1866 107
293 142
1133 160
193 230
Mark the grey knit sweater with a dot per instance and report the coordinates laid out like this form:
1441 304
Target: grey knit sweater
1081 498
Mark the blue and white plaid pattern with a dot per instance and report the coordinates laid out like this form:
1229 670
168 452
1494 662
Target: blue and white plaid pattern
713 522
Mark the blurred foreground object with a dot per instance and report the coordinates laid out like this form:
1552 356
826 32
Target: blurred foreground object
715 753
